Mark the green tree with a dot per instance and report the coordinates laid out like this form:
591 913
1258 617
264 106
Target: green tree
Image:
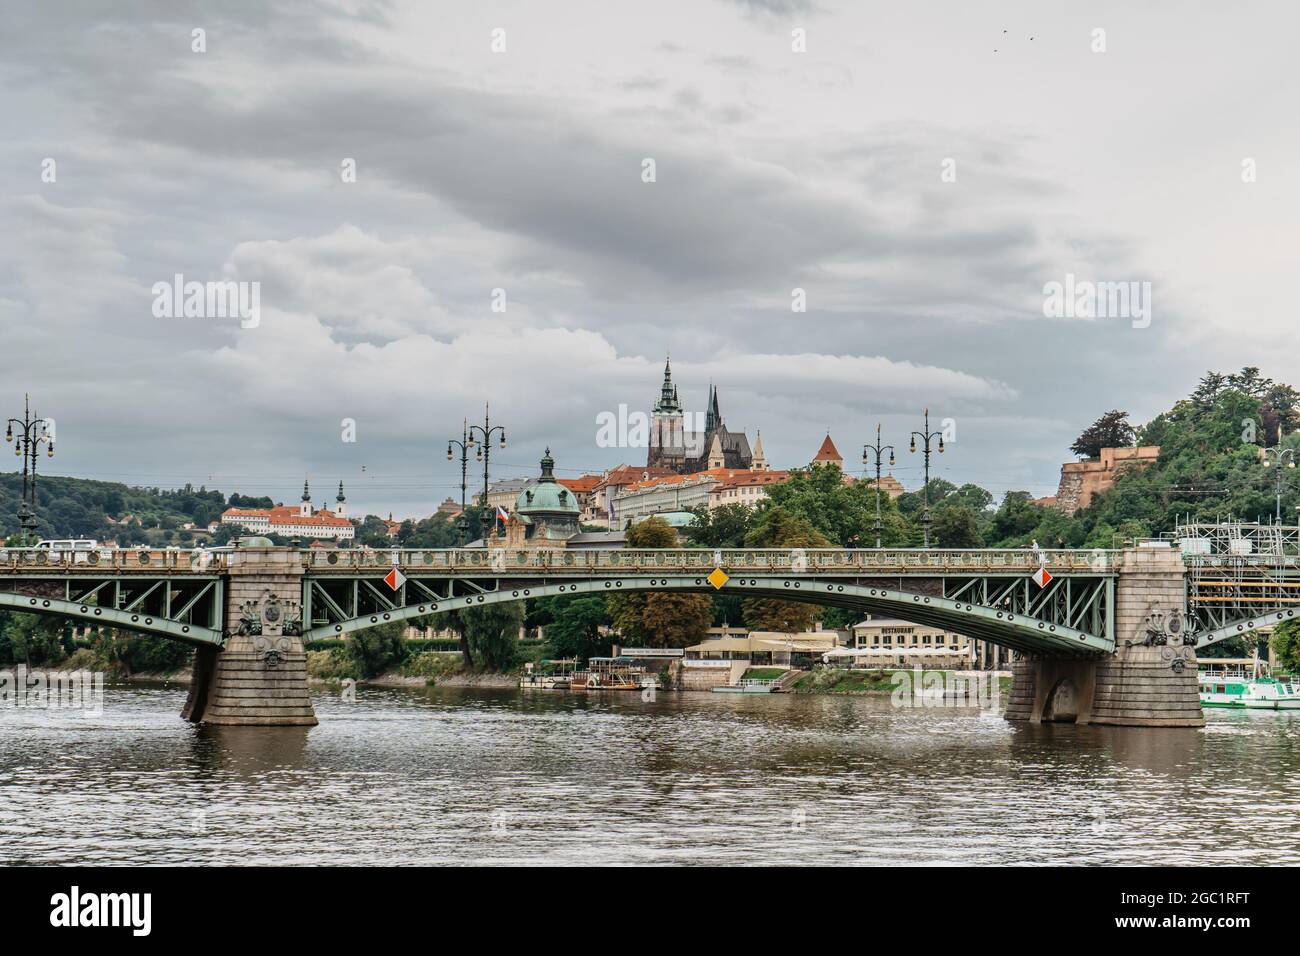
778 528
652 533
912 503
845 515
674 619
492 632
721 527
575 627
1016 517
1286 646
956 526
372 532
377 649
1112 430
456 622
659 619
34 640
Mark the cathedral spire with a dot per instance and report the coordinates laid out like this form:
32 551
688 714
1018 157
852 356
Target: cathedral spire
668 403
713 415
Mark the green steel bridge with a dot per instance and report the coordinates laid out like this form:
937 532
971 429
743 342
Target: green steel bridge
988 594
1102 636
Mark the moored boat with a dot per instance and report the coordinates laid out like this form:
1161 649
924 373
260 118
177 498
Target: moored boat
548 675
1252 693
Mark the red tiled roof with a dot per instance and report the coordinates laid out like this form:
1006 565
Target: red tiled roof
746 479
630 474
725 477
285 515
582 485
828 451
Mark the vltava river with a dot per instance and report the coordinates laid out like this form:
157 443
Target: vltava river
482 776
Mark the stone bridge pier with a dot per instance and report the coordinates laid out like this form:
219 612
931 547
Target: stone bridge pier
260 677
1150 679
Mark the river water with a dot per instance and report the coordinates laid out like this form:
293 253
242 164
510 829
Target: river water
501 776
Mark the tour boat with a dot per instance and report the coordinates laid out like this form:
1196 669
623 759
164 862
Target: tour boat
747 687
557 679
1255 693
609 673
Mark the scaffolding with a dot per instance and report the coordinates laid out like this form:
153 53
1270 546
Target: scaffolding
1242 575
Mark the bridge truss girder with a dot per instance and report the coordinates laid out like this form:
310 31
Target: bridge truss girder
1244 627
188 608
1006 610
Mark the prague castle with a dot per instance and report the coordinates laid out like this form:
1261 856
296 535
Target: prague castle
688 453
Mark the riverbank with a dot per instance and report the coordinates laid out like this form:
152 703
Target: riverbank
862 683
445 670
426 669
471 679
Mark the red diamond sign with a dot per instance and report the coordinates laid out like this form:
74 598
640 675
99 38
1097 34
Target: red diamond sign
1041 577
394 579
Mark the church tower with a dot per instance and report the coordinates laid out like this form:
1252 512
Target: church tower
717 457
304 509
759 462
667 437
341 503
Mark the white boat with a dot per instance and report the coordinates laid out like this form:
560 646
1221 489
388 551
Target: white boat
551 675
1252 693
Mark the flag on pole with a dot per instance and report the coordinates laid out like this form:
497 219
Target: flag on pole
503 514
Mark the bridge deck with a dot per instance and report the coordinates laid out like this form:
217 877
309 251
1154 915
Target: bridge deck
986 593
458 560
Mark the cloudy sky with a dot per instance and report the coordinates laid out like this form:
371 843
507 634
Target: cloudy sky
522 170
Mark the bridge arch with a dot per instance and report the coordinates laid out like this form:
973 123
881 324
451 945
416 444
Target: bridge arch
86 613
1061 705
999 626
1245 626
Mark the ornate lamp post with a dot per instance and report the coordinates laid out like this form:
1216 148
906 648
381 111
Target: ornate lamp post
1282 458
926 437
31 434
879 451
465 444
483 453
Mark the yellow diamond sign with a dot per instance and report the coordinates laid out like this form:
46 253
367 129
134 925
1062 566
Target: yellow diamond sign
718 577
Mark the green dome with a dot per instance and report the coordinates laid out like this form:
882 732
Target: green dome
548 496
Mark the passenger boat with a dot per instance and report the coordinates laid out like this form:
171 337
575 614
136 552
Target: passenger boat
553 675
747 687
1240 690
611 673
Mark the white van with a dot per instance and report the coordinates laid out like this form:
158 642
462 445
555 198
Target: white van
68 544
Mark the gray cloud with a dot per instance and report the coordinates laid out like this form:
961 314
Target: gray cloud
524 172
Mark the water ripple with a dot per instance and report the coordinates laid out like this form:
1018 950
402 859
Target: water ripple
490 776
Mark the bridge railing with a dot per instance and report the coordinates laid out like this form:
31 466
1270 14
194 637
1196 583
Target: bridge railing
505 560
111 560
1241 561
780 560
